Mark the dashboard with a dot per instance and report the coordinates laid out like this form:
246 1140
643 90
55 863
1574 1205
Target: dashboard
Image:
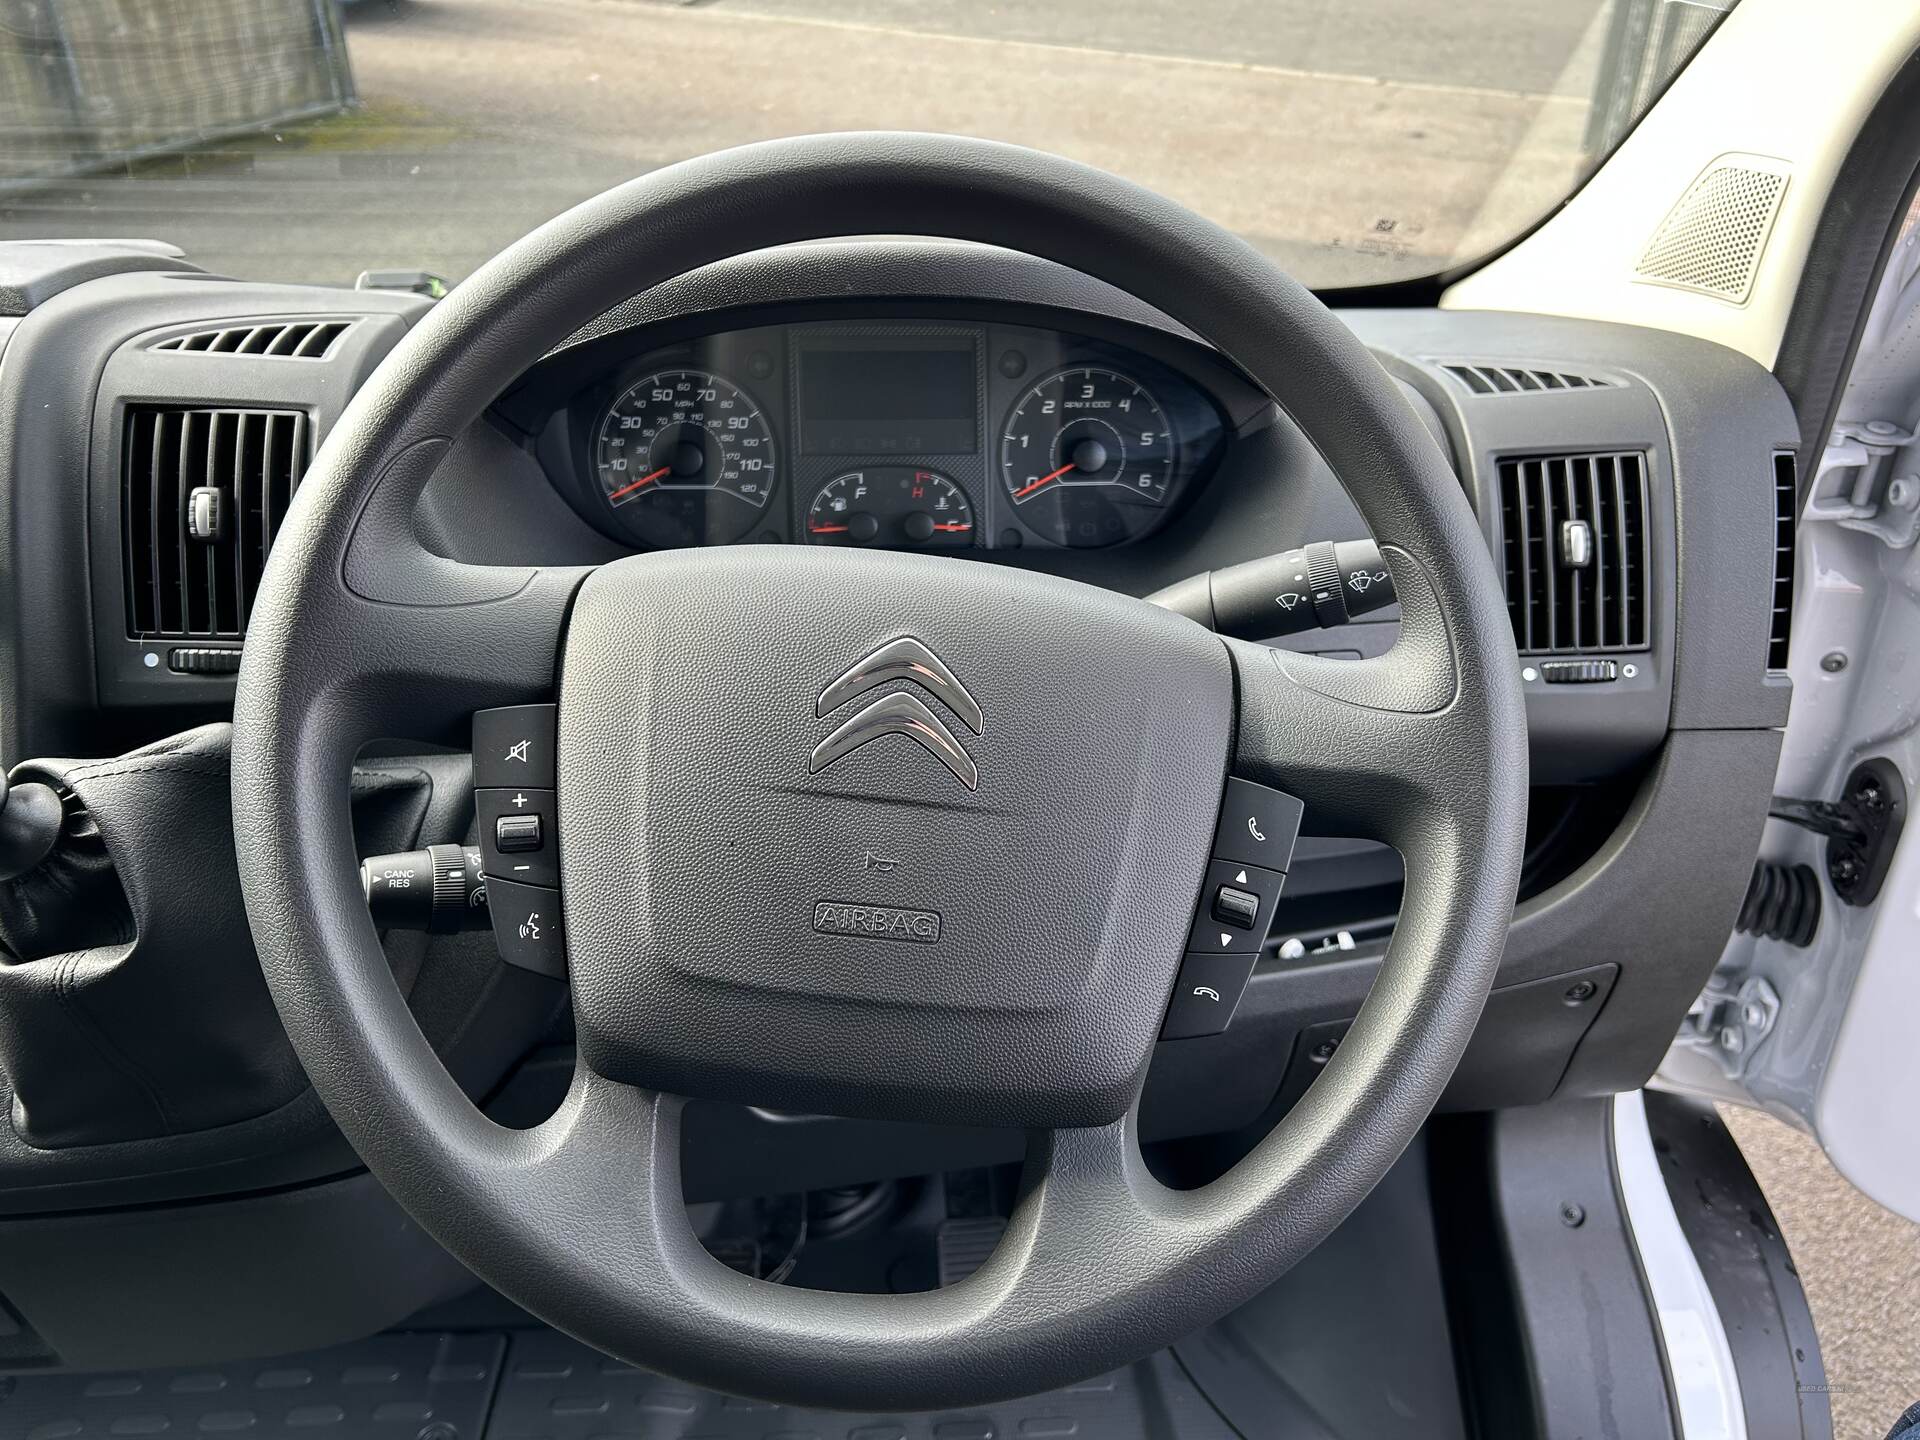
955 398
156 423
917 433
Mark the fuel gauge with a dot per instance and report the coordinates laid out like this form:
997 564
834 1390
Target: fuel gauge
895 506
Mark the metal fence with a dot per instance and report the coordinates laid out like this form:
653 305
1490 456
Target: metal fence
1648 42
87 84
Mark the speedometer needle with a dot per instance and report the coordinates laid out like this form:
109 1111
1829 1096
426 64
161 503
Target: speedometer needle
629 488
1035 485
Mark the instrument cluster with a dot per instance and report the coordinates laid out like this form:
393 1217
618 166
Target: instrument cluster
899 434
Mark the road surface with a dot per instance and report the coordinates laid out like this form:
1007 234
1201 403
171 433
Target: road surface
1355 140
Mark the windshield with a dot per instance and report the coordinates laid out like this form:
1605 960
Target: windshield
1355 141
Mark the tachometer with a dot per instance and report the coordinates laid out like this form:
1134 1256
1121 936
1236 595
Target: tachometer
685 458
891 505
1088 456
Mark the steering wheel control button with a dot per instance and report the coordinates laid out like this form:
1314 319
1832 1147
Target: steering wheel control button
527 926
1236 908
514 746
1258 825
519 835
1206 995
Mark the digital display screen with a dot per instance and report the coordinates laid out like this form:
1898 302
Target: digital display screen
908 402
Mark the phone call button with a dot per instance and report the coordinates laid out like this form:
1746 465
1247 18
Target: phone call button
1258 825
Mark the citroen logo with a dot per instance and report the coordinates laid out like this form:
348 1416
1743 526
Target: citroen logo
900 712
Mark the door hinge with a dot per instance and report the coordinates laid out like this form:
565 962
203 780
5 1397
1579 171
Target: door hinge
1857 489
1730 1023
1862 827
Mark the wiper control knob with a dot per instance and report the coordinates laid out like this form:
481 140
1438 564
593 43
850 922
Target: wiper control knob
1317 586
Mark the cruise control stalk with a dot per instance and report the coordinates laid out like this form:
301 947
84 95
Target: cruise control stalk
1318 586
439 889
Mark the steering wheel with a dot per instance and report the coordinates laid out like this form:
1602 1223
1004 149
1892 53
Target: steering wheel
696 842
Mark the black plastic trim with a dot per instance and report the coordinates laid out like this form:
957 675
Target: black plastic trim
1748 1270
1540 1263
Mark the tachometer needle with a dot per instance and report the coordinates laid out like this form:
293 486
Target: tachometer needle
634 485
1035 485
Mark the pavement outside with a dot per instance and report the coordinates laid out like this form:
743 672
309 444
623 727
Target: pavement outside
1356 141
1861 1267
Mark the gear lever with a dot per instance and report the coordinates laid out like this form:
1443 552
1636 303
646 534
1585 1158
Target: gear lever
30 818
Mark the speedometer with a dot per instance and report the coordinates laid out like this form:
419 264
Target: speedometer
684 457
1087 456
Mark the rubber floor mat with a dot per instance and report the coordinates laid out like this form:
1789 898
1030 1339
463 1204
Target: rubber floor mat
556 1389
392 1387
539 1385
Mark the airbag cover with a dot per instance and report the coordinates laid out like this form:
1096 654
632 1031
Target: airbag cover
760 911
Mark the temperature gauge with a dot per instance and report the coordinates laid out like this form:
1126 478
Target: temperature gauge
891 505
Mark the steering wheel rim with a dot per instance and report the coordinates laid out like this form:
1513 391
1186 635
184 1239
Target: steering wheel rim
360 632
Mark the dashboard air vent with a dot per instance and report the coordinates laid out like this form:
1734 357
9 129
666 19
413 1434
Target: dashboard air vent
1519 380
202 493
1576 552
275 339
1786 507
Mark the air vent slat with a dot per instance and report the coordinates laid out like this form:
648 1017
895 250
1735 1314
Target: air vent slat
173 547
1550 565
1786 510
249 551
166 583
181 585
1523 513
143 581
1572 579
196 579
1561 608
1620 530
1486 378
272 340
1597 517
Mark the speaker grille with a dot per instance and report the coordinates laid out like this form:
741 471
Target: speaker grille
1712 239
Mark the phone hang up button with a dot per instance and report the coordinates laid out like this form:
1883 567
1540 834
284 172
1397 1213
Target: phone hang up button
1205 995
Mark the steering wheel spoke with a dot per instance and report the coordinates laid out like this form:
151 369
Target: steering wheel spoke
1088 1218
423 668
1372 747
